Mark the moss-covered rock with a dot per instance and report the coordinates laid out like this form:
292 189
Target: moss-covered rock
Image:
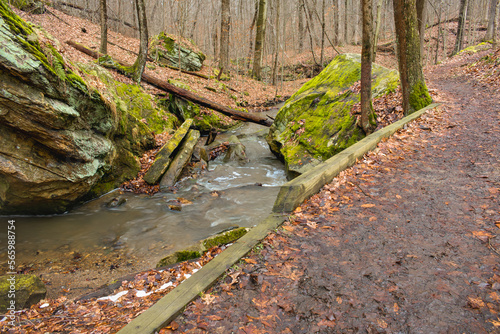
316 122
64 138
204 120
476 48
24 290
165 50
202 246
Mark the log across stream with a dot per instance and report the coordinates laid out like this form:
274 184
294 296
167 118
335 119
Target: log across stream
144 229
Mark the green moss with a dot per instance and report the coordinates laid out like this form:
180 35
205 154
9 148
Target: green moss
419 97
225 238
187 255
204 121
316 122
476 48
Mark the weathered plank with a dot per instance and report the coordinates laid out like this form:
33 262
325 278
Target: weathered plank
164 156
181 159
167 308
293 193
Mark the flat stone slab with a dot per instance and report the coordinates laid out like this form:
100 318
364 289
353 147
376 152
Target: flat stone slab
164 156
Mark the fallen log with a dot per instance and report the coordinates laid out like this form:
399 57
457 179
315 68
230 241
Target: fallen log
183 93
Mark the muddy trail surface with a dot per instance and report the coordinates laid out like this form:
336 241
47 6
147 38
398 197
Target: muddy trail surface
405 241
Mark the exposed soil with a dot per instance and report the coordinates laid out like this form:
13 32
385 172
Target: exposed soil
403 242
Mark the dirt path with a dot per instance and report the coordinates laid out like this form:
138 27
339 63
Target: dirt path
403 242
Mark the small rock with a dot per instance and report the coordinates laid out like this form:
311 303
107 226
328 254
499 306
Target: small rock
175 207
116 202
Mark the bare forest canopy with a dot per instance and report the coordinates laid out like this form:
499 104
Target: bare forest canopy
305 25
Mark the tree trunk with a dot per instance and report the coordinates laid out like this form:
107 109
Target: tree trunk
336 18
301 25
492 18
323 27
277 42
346 19
464 4
104 27
252 26
378 23
368 118
225 27
140 63
421 17
260 40
415 93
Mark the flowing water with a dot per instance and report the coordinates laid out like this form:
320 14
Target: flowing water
226 195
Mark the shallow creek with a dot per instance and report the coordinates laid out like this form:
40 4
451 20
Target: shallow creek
143 230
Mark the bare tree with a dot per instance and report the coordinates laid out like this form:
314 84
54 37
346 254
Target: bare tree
140 62
421 17
464 4
492 19
368 118
378 23
415 93
225 27
104 27
260 39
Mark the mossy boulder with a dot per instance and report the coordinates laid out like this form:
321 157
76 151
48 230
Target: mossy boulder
316 122
168 51
204 120
197 250
25 290
476 48
63 138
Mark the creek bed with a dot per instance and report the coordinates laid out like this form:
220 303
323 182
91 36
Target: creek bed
92 244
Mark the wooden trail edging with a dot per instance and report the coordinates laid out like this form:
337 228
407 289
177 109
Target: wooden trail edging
291 195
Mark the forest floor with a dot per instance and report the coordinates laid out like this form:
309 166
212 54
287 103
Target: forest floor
405 241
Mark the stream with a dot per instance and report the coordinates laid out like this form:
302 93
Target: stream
224 196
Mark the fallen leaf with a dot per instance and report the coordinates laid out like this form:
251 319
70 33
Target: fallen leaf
208 299
312 225
396 308
475 302
248 260
372 219
326 323
288 228
495 323
382 323
339 300
367 205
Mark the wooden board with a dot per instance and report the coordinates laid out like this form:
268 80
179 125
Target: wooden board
293 193
167 308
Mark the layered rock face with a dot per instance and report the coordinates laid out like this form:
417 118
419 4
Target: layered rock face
61 141
316 122
168 52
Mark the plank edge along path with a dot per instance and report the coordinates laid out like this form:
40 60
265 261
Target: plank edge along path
291 195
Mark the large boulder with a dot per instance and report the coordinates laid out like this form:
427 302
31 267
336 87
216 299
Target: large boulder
20 291
316 122
64 138
166 50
